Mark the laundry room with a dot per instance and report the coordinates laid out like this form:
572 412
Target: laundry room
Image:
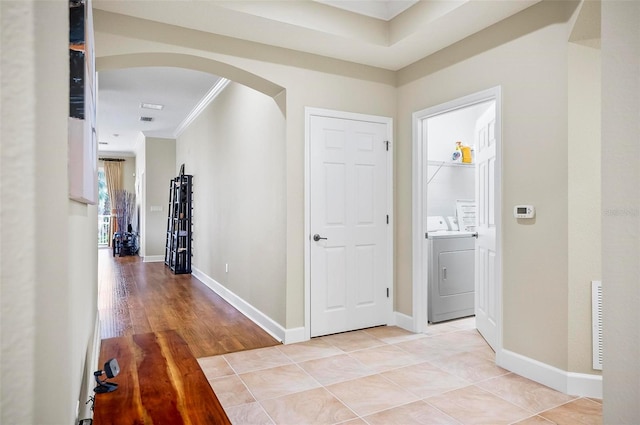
451 210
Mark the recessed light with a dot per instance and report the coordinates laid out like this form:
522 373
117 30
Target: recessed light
155 106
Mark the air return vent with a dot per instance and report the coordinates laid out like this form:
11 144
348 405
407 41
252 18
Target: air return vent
596 318
146 119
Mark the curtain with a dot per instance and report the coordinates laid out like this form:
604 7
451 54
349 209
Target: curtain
113 176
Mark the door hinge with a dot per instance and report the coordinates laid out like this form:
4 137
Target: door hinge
386 142
387 292
387 218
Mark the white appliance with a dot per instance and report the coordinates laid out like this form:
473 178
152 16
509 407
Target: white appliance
451 272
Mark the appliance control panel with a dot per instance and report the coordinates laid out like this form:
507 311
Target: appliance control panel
524 211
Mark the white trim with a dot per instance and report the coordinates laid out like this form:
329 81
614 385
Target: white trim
96 345
584 384
308 113
153 259
291 336
200 106
403 321
287 336
420 248
578 384
420 243
90 366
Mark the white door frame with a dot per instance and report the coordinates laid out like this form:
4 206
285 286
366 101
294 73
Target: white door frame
420 243
308 113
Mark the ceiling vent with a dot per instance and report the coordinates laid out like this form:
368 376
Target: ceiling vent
155 106
146 119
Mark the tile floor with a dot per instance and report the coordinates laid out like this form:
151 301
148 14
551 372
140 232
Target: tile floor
387 375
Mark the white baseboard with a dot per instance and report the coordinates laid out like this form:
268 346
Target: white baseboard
584 384
294 335
153 258
286 336
403 321
578 384
91 364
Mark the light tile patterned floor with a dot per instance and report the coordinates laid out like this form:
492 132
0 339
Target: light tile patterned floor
387 375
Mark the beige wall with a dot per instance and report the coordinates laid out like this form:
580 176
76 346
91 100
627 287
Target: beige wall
154 168
140 192
527 56
621 210
333 85
159 169
584 214
236 153
48 301
49 247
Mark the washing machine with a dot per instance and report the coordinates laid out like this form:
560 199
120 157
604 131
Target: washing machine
451 274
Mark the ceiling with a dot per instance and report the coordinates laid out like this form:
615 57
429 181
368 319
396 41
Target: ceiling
389 34
123 91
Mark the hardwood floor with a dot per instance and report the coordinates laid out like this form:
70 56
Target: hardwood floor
156 324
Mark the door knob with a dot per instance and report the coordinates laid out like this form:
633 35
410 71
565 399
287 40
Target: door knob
317 237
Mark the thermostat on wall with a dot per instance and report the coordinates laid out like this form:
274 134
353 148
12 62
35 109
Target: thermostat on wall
524 211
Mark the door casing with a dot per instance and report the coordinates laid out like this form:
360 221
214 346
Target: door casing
309 112
420 243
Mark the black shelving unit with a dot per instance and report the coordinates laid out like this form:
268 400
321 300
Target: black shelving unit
179 225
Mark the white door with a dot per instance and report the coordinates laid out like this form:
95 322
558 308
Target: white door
348 213
486 258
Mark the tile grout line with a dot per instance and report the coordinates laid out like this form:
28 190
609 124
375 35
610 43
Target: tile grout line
417 360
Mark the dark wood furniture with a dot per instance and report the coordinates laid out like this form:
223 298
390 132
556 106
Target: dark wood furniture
179 225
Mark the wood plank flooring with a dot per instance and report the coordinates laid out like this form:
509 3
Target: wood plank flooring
136 297
156 324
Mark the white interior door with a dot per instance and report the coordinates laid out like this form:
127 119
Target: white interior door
348 217
486 258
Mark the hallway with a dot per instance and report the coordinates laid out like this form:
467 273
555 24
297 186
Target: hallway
136 297
381 375
155 324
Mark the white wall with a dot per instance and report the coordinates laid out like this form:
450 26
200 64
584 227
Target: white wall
621 210
236 153
450 183
444 130
48 243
